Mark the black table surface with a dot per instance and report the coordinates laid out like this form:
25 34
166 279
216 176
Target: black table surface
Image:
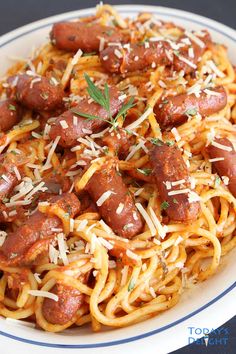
15 13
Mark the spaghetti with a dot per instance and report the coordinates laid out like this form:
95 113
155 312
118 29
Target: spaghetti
74 251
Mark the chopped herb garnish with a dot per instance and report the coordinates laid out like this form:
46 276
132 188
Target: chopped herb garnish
126 227
170 142
217 181
109 32
164 101
191 112
115 23
145 171
176 52
5 200
13 152
89 54
105 150
44 95
103 99
128 131
122 112
175 201
118 173
164 205
12 107
157 142
131 284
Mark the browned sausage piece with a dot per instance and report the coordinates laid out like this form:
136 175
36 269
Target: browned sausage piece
183 52
174 110
8 180
10 168
62 311
169 166
118 210
227 166
71 126
139 56
10 114
72 36
118 142
36 92
38 226
9 164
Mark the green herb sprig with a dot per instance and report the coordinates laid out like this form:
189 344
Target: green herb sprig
103 99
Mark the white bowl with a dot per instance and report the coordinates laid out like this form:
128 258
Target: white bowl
208 305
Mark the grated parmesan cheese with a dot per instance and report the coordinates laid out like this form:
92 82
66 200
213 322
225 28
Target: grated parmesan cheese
221 146
214 68
62 248
193 197
175 132
3 236
42 293
6 179
179 191
195 39
101 44
63 124
146 218
47 164
118 53
225 180
212 93
105 243
160 229
188 62
104 197
216 159
76 57
176 183
140 119
82 225
120 208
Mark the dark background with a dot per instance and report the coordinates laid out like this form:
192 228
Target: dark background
15 13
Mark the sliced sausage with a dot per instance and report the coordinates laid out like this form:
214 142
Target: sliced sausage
138 57
8 164
118 142
169 166
72 36
118 210
10 114
62 311
174 110
227 166
37 227
8 180
76 126
183 52
36 92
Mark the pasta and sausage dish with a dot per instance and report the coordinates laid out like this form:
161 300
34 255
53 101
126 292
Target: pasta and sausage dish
117 171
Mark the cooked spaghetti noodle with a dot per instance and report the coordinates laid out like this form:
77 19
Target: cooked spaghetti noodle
116 280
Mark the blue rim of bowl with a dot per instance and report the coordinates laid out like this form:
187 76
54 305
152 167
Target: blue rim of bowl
160 329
